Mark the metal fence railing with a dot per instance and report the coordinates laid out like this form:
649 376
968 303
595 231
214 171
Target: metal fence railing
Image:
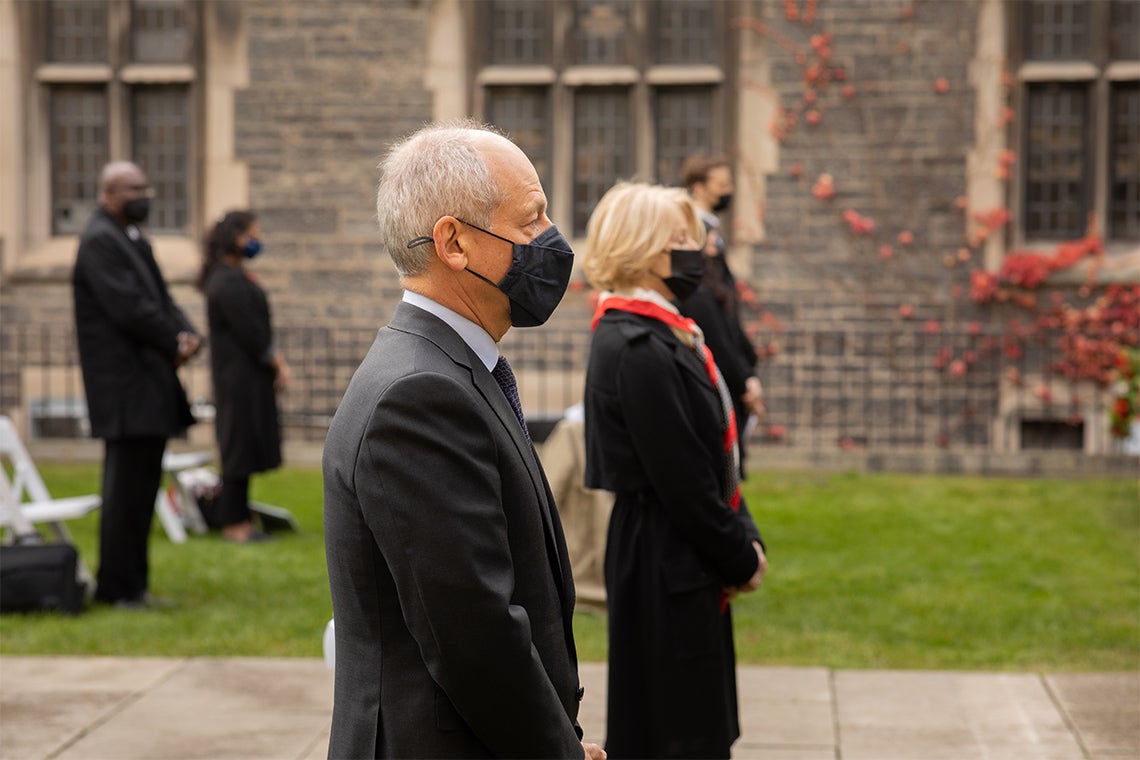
847 389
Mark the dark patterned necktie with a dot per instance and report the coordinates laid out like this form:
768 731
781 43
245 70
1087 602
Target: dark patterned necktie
506 380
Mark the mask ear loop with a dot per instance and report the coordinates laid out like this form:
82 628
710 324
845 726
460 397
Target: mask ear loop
421 240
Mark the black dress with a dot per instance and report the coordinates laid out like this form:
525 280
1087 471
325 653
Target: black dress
654 437
241 356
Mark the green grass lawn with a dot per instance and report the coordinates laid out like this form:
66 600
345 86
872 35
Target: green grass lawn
866 571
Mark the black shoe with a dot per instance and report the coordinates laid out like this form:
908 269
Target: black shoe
145 602
253 537
157 602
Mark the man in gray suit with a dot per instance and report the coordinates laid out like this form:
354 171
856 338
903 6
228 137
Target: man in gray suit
451 586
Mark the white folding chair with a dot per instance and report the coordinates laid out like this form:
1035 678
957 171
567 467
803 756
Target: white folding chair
25 501
175 505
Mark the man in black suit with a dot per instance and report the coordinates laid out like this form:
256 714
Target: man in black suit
715 306
451 585
132 338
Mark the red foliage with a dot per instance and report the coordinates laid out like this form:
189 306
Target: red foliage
858 224
983 285
824 187
994 218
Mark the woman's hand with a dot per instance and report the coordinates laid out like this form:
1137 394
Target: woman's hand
753 396
754 582
284 374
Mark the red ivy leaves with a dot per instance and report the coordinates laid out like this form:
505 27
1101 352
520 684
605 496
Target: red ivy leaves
858 224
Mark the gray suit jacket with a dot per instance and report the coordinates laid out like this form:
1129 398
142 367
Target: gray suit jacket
451 586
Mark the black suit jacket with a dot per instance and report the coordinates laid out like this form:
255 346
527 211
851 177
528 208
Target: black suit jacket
451 586
127 327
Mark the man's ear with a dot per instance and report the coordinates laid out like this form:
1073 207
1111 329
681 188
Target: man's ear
448 246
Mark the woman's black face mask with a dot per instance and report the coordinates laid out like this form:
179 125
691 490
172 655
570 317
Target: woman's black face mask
688 269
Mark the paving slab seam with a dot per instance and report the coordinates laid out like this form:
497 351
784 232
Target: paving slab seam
1066 718
115 709
311 747
833 695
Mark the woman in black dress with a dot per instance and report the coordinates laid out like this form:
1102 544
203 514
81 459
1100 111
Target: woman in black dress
247 369
660 434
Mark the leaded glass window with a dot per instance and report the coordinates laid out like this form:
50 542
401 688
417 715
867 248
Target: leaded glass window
1058 30
684 120
78 152
520 32
1124 163
160 32
77 31
125 94
1056 201
1079 119
524 114
162 147
602 149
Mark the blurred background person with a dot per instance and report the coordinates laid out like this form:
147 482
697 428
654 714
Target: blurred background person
247 369
660 434
132 338
715 306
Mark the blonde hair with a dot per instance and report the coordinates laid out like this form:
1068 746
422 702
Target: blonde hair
632 223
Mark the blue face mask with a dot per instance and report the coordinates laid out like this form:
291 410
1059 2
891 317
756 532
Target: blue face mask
251 248
537 279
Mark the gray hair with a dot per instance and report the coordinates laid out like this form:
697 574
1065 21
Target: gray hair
434 172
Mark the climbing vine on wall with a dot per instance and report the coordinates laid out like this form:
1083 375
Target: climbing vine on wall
1094 329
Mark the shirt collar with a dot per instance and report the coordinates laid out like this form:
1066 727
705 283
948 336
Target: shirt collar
476 338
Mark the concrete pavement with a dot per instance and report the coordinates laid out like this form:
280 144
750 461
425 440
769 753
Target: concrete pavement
251 708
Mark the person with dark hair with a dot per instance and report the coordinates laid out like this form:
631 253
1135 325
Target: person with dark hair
714 305
247 369
132 339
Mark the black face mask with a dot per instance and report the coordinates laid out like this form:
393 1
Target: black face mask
688 269
136 210
537 279
722 203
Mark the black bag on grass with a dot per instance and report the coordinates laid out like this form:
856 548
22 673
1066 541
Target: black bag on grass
36 577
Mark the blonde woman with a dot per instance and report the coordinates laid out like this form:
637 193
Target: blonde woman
661 434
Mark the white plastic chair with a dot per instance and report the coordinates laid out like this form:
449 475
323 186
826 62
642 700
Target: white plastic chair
175 505
328 644
25 501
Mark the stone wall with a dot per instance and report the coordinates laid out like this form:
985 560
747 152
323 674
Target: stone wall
330 85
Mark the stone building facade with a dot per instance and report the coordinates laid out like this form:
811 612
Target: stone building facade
912 108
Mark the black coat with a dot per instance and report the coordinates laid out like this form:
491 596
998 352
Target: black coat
127 328
724 335
451 584
653 436
241 364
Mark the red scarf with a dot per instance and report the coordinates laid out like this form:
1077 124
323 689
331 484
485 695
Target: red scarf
673 319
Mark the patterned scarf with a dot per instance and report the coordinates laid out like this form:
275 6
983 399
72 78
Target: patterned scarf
691 335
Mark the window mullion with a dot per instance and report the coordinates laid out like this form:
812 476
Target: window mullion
562 128
118 101
641 111
1100 136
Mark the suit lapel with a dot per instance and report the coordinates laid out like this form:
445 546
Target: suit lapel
494 396
412 319
148 270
